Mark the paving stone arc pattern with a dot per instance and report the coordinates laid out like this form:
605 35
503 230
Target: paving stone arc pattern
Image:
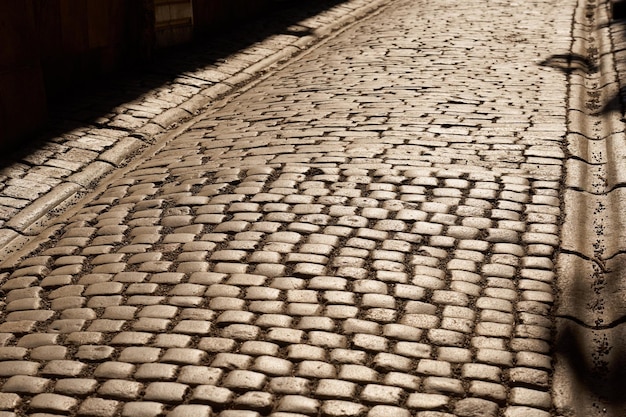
370 231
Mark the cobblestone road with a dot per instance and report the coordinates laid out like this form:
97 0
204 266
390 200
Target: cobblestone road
368 231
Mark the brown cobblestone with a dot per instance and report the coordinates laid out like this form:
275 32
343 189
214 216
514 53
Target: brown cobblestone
426 401
142 409
346 260
212 394
75 386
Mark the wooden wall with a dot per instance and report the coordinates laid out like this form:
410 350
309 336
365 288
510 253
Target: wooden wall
22 95
216 14
80 39
46 46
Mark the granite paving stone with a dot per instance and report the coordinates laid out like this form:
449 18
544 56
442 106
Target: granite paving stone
143 409
369 228
75 386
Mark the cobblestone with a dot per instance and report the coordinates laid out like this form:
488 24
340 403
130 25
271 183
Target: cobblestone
368 230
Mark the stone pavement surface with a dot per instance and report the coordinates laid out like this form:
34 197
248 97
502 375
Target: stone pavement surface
369 230
101 131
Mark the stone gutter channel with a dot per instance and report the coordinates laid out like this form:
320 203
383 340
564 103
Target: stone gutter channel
590 340
40 187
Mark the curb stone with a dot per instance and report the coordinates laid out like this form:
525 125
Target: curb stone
42 206
591 282
121 151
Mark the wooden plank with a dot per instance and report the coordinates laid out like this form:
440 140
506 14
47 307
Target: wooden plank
74 34
17 39
48 27
23 99
99 23
22 103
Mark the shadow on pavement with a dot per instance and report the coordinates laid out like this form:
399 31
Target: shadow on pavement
592 363
616 25
569 63
86 102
